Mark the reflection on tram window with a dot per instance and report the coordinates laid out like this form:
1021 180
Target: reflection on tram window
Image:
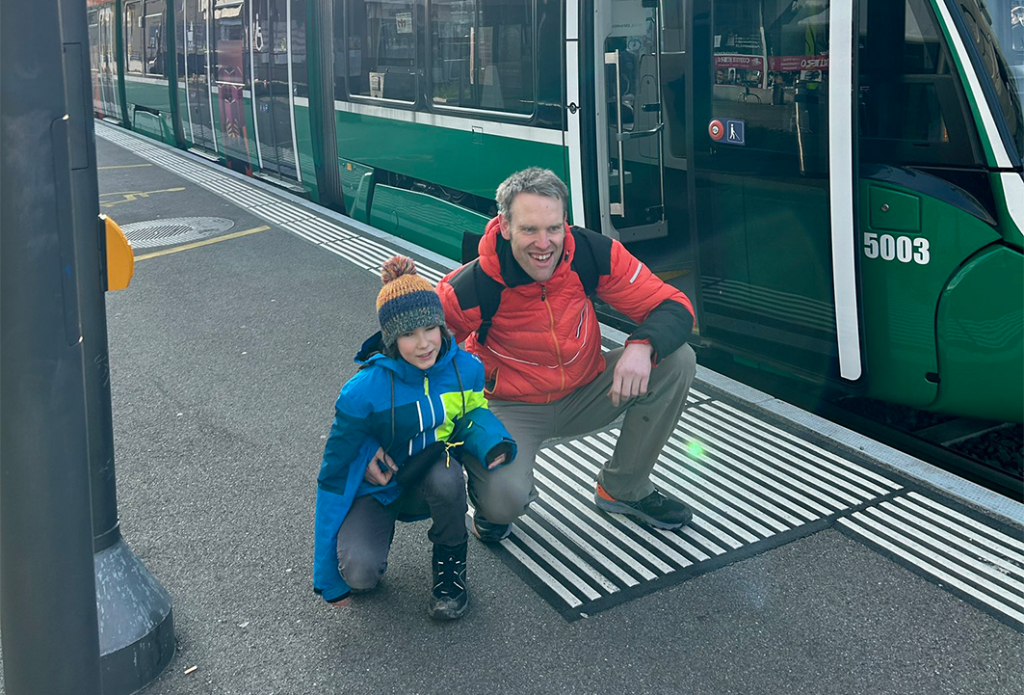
483 54
153 23
300 71
382 49
997 29
144 45
94 40
771 67
133 37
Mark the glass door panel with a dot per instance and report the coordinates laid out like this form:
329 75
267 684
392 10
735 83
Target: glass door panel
229 78
761 176
632 121
269 53
281 86
197 73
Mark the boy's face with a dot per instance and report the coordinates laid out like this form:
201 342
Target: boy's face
420 347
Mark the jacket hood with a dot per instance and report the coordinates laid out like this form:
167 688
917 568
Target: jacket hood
371 352
497 260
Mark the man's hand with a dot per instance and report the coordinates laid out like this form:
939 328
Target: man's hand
632 372
377 474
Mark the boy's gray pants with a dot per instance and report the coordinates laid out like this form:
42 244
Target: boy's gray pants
365 536
502 495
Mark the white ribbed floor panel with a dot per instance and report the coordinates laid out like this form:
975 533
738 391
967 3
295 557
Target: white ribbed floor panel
982 563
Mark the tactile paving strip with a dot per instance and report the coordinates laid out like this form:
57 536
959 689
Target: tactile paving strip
971 557
752 486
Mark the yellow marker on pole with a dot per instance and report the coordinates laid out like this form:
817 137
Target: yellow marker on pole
120 257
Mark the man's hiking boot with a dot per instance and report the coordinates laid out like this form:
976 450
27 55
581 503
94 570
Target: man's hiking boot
654 510
449 597
485 531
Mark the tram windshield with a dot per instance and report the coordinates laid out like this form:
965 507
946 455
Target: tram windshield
997 29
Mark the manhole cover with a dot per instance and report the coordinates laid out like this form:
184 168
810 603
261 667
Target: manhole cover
177 230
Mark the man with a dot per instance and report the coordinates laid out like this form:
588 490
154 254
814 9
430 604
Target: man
542 354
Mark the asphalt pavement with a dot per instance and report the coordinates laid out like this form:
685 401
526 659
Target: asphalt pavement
226 360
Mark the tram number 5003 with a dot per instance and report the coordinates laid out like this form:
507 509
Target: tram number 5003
902 248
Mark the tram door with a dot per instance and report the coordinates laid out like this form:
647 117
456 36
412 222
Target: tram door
269 52
195 29
761 183
630 120
228 46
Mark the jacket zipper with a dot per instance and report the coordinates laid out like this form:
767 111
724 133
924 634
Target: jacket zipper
551 329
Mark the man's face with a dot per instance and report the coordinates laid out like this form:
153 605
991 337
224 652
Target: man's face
536 232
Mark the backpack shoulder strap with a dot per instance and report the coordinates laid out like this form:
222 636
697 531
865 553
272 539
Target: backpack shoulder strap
475 288
488 291
593 258
470 246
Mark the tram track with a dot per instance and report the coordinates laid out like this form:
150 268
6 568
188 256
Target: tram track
961 446
952 445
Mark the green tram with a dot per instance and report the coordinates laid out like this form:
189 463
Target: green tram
837 185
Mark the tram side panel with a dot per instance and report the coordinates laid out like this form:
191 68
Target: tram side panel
913 243
981 337
941 289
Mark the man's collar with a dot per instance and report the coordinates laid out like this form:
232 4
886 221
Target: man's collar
511 272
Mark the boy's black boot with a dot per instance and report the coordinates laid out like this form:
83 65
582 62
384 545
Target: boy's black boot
449 597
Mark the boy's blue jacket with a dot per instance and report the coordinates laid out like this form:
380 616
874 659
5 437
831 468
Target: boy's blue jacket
390 403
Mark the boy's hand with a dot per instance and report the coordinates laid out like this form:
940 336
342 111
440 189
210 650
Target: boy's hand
498 460
380 468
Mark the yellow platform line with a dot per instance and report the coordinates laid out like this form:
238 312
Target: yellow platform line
123 166
204 242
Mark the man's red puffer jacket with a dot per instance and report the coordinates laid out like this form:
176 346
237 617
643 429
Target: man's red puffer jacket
544 341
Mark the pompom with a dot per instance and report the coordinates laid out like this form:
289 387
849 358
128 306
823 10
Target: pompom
396 267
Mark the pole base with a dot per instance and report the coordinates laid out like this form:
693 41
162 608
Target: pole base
135 621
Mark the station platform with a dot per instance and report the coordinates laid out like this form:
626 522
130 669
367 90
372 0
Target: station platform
818 561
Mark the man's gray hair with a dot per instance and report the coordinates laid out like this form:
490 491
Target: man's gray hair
533 180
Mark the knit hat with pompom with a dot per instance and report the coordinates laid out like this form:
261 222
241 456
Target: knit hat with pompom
407 301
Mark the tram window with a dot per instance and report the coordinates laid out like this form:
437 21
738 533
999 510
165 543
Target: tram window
153 25
996 28
482 55
133 38
300 71
94 39
673 33
382 49
911 110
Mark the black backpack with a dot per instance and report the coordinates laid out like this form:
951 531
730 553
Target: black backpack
488 290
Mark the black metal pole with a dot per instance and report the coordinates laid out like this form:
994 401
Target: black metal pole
136 625
48 620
